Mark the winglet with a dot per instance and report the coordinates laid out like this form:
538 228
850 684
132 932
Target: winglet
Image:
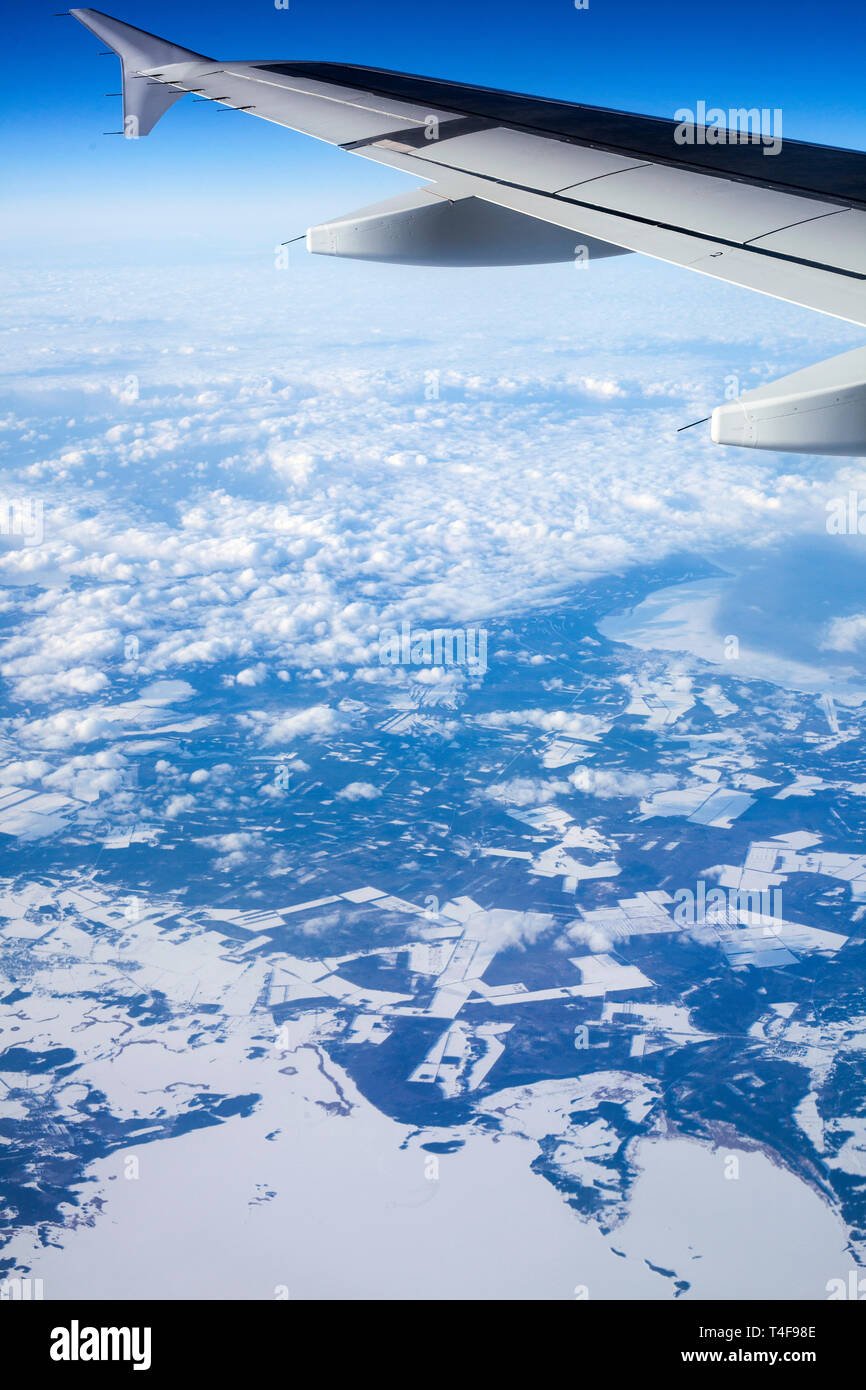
144 99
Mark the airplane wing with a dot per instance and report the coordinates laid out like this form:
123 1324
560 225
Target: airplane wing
514 178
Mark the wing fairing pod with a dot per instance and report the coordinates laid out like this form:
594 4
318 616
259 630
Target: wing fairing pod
425 228
820 410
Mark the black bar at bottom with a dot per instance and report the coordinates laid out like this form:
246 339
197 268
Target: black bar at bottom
82 1338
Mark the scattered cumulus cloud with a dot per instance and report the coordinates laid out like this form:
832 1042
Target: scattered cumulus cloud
845 634
614 783
359 791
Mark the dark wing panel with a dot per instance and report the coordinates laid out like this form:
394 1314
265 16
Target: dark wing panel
820 171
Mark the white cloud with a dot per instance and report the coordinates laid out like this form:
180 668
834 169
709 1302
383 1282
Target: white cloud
292 514
525 791
233 849
63 729
87 777
615 783
571 723
317 721
845 634
581 933
359 791
252 675
507 929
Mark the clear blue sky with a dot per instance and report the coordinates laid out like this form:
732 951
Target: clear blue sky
219 170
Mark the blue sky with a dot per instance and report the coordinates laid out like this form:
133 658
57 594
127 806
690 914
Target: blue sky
71 186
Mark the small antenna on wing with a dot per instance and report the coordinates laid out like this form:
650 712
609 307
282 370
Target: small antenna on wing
702 421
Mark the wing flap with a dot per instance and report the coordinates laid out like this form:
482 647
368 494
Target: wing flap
513 155
840 238
700 203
